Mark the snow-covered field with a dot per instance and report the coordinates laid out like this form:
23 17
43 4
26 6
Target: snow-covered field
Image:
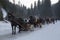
48 32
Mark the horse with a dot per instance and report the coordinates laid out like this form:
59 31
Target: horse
53 20
40 21
47 19
13 21
36 21
17 21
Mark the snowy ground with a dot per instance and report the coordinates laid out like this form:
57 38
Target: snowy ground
48 32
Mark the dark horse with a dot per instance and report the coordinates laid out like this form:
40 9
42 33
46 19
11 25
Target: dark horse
50 20
17 21
13 21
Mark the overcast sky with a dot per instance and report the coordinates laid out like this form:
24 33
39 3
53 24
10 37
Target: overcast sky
27 3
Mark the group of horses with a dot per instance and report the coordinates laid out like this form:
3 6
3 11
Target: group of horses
25 25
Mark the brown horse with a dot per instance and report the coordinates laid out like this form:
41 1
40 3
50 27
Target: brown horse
40 21
36 21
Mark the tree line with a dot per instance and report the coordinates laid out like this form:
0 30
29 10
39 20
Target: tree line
41 9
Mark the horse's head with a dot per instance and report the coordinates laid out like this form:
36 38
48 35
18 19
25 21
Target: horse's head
10 16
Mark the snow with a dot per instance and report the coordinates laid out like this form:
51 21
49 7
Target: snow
47 32
4 12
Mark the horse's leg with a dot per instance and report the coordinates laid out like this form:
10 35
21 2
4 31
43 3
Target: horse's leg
25 28
53 21
46 21
35 25
14 30
19 29
40 25
12 26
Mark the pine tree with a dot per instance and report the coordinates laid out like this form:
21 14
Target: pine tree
46 9
38 7
14 1
31 12
35 8
38 4
19 2
57 10
1 15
